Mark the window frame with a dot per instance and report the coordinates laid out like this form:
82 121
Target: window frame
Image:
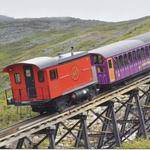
134 56
139 57
125 58
116 59
16 79
147 51
53 74
41 78
142 52
110 65
28 73
121 61
130 58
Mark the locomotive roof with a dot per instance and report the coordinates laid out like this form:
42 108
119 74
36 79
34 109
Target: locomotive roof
44 62
122 46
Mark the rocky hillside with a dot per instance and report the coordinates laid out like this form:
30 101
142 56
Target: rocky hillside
13 30
5 19
22 39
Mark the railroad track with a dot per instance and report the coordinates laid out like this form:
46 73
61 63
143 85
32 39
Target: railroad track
28 127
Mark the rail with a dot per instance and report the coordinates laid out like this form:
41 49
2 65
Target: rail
19 131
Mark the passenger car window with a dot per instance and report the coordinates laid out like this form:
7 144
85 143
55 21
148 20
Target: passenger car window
147 52
95 58
125 59
134 55
98 59
121 61
53 74
138 54
40 76
110 64
100 69
142 53
130 57
116 62
17 78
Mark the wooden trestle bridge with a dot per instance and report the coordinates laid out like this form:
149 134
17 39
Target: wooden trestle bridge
117 115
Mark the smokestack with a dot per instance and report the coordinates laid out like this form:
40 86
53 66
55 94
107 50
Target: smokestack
59 55
72 50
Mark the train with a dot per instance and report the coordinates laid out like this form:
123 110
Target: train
52 84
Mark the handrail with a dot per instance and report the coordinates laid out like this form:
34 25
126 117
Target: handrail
18 95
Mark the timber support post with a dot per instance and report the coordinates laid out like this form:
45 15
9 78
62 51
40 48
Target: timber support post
51 137
20 143
83 131
109 122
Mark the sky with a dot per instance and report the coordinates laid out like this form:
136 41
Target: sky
104 10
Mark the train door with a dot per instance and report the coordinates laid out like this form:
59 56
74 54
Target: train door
100 67
111 69
29 80
54 83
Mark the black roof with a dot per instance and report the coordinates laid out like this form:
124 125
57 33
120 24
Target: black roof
122 46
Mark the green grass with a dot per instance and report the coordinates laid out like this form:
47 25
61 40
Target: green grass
12 114
137 144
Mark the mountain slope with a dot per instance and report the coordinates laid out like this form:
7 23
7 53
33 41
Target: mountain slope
22 39
5 19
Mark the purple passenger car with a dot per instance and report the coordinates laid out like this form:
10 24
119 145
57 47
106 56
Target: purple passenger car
123 59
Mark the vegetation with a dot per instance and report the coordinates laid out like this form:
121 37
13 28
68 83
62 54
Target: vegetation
11 114
138 143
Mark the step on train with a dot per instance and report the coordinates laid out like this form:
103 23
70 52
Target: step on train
50 84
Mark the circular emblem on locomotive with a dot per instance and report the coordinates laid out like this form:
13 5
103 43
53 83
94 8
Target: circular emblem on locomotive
75 72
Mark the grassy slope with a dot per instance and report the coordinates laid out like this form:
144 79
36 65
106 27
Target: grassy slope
138 143
52 41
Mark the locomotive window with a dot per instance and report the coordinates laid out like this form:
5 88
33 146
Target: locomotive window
110 63
40 76
17 78
53 74
28 72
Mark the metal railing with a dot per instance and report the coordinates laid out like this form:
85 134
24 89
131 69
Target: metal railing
26 94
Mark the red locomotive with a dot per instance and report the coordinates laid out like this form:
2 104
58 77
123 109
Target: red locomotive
52 84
